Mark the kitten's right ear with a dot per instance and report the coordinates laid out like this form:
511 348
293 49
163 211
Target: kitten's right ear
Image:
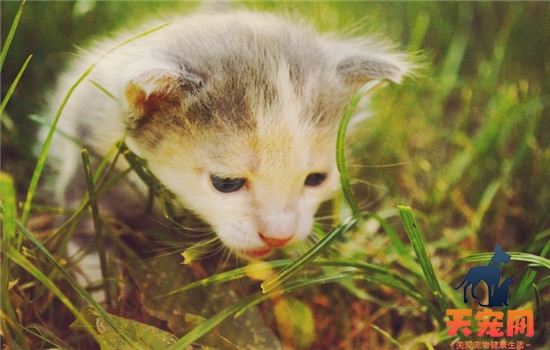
149 91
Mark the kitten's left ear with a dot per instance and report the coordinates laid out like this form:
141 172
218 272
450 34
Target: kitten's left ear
150 90
364 67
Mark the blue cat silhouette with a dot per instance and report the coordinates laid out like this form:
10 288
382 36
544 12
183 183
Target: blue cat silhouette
489 273
500 297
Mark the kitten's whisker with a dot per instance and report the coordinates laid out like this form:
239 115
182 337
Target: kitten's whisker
379 166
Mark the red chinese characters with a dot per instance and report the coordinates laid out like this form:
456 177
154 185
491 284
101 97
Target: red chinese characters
491 323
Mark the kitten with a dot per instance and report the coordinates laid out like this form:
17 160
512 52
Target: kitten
236 113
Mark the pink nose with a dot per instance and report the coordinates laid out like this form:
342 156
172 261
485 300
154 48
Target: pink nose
275 242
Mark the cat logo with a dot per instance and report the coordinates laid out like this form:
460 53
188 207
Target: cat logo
489 322
490 274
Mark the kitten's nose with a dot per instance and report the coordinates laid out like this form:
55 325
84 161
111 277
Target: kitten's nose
273 242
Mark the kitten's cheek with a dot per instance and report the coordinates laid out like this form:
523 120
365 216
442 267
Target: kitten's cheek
305 228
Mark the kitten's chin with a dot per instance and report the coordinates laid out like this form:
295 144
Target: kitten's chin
256 253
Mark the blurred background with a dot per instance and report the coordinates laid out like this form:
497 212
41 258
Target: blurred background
465 142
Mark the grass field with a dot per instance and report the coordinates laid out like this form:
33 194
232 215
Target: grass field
464 144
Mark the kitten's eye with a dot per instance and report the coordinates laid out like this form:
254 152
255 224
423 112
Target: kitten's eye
315 179
226 185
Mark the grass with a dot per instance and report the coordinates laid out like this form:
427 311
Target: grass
464 145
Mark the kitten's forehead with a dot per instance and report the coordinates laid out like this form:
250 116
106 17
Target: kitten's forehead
281 117
265 79
277 117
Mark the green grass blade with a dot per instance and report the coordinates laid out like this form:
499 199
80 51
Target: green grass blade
403 250
544 282
156 188
419 247
341 145
226 276
276 281
419 30
546 249
374 274
485 203
11 34
370 268
67 227
105 91
43 122
97 224
242 272
387 336
12 332
206 326
9 234
14 85
394 284
481 257
243 305
449 72
538 302
70 279
9 237
22 261
535 260
199 250
9 210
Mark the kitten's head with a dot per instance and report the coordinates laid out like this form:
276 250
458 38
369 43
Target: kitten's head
241 123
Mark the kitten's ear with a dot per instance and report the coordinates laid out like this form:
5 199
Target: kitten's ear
149 91
364 67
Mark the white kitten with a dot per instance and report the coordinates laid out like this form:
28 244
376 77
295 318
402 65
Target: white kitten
235 113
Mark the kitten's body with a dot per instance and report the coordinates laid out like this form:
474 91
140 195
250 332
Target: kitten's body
243 96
